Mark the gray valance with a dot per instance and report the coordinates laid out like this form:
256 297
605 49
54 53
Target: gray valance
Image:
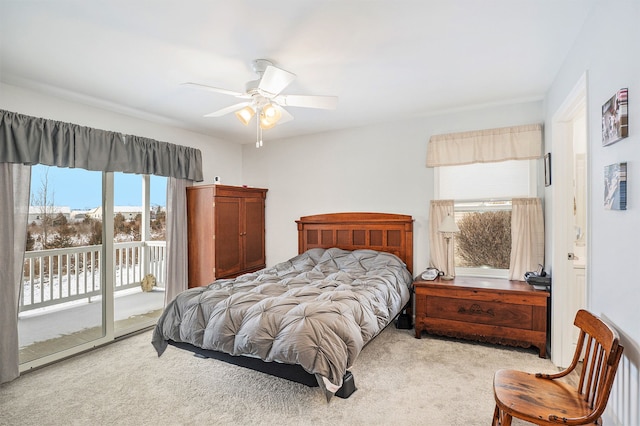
32 140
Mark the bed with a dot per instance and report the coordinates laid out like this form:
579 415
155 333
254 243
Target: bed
308 318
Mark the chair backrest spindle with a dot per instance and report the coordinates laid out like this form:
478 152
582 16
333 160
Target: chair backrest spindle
599 355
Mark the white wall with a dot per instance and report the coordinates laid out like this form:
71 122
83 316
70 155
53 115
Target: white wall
219 158
607 51
377 169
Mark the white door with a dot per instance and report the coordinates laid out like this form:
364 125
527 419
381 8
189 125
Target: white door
578 254
569 197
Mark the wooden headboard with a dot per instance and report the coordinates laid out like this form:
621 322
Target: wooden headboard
392 233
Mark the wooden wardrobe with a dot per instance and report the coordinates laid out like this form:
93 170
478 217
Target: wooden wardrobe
226 232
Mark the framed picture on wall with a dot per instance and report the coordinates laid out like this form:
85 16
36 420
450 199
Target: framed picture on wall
615 120
615 186
547 169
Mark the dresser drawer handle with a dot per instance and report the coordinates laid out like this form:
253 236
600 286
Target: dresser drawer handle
475 309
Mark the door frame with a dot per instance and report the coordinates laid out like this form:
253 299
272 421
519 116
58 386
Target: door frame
561 213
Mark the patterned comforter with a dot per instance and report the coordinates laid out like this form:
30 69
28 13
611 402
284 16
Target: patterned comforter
317 310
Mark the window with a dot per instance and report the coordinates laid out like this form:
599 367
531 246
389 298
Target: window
483 246
61 285
67 272
482 194
139 249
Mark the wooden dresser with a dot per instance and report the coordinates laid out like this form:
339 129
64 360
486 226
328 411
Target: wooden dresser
226 232
483 309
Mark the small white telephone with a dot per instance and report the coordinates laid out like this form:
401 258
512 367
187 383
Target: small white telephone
431 274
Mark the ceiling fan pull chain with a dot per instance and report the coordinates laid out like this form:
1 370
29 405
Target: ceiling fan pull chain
258 131
257 134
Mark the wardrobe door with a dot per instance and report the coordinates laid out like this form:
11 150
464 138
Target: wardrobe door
200 228
228 239
253 238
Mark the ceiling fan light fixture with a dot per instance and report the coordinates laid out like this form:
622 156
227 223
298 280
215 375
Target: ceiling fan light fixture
269 116
245 115
263 98
265 124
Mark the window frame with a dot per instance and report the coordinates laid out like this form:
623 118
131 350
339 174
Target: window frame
533 184
482 205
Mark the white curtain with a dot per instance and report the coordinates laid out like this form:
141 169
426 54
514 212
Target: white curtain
527 237
14 211
438 210
485 146
177 251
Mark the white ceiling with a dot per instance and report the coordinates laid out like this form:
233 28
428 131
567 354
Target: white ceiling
384 59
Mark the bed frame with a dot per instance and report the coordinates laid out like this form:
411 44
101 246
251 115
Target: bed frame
392 233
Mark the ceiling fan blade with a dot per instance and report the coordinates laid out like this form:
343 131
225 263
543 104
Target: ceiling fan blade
274 80
308 101
216 89
227 110
286 116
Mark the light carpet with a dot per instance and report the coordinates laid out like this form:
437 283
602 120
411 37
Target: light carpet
400 380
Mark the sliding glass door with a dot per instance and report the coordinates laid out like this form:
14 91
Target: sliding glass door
62 297
95 261
139 250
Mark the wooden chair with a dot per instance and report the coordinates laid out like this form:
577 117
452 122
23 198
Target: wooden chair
541 399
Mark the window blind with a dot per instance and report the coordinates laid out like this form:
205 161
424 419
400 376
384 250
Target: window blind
506 179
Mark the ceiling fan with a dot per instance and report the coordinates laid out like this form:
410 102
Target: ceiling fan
264 99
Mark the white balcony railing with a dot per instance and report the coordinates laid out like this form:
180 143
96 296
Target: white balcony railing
51 277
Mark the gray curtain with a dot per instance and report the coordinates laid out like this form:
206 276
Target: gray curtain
177 266
31 140
14 211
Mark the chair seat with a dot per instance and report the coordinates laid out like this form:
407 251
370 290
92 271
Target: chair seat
533 399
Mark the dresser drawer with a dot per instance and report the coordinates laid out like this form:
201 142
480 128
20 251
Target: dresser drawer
480 312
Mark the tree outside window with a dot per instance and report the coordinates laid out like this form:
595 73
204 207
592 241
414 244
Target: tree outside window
484 240
483 245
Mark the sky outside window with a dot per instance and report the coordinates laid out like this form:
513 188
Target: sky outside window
76 188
